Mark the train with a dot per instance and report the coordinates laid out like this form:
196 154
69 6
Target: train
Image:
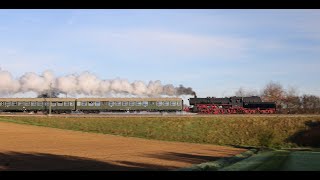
231 105
209 105
90 105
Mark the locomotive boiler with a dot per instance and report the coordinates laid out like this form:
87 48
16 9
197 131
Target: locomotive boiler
231 105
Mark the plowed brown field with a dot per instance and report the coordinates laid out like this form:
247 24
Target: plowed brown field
26 147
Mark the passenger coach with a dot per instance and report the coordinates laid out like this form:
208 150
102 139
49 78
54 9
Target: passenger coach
90 105
129 104
37 104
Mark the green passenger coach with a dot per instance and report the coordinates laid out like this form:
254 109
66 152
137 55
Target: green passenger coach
37 104
90 105
129 104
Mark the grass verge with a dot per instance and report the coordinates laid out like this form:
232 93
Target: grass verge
264 161
219 164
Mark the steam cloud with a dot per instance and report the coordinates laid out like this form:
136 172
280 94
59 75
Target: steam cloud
84 84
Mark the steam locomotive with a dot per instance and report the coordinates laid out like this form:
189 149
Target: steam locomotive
231 105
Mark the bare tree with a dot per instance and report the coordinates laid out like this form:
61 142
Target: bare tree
310 103
54 93
292 101
273 92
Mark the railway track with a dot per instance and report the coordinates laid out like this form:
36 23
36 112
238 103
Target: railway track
105 115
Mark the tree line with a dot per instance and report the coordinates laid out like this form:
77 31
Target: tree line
287 100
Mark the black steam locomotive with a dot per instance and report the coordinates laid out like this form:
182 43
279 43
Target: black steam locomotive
231 105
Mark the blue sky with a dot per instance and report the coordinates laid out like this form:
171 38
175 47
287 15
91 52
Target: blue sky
213 51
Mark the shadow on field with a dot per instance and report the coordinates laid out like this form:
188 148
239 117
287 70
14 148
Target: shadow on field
309 137
16 161
183 157
241 147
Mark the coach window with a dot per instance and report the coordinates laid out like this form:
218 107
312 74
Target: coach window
14 103
98 103
178 103
159 103
166 103
111 104
78 103
138 103
1 103
20 103
124 103
118 103
173 103
60 103
40 103
27 103
131 103
90 103
54 104
45 103
83 103
33 103
66 103
145 103
71 103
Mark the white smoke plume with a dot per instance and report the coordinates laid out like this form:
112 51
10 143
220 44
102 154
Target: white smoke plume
84 84
8 85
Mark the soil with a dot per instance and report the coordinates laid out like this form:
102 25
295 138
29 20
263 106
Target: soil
30 148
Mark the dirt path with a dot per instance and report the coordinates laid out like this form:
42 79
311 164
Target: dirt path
26 147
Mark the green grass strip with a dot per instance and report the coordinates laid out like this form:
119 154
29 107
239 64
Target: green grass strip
303 161
218 164
264 161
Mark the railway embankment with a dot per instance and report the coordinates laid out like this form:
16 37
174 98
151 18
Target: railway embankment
254 131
